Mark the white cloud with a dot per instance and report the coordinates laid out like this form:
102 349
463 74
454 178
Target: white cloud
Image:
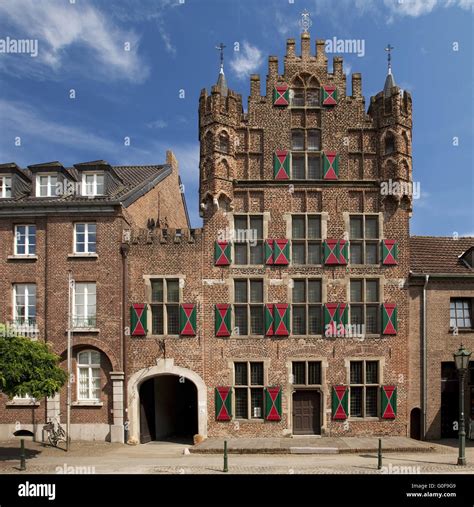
157 124
247 60
61 26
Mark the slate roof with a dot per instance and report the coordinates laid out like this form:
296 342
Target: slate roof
431 254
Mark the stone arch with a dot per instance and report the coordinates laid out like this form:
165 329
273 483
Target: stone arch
208 142
163 367
94 343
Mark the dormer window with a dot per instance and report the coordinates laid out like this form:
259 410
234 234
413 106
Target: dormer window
46 185
5 186
92 184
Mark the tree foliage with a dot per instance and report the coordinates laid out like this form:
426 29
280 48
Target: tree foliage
28 367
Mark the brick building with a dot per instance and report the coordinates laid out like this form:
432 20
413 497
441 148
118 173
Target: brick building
287 313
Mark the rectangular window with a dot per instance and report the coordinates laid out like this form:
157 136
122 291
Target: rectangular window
365 304
248 307
92 184
165 299
304 164
364 239
301 97
306 307
46 185
25 240
460 313
85 306
364 387
24 307
88 375
306 373
85 238
306 241
248 387
5 187
248 244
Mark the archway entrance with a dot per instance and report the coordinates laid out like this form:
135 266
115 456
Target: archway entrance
168 409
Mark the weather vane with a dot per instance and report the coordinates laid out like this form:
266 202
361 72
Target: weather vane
305 21
220 48
389 58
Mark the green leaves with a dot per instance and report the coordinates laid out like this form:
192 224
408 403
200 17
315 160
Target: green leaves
28 367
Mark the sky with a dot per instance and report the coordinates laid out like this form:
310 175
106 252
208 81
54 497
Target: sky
120 81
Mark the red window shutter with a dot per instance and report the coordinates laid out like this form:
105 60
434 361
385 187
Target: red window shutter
343 251
281 251
222 255
281 95
281 319
331 252
340 395
329 95
269 251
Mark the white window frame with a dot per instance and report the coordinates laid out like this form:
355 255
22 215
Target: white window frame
94 192
50 188
3 188
27 240
85 305
86 237
28 287
90 366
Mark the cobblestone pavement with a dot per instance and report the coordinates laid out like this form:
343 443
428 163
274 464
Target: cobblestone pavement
163 458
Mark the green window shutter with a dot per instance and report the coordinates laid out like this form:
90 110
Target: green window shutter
269 251
281 95
222 253
273 403
281 251
343 319
331 252
340 396
281 315
222 320
389 252
269 319
223 403
329 94
343 251
389 318
389 402
281 165
187 319
330 165
138 320
331 319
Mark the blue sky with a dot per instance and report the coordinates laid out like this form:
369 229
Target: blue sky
136 93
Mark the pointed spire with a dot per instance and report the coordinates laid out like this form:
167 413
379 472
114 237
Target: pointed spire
221 80
389 80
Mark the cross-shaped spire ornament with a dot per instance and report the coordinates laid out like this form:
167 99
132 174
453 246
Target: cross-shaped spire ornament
220 48
389 49
305 21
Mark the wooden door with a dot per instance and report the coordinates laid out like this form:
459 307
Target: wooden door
306 413
147 412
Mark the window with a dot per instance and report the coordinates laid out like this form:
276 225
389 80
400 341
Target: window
248 307
306 306
24 308
25 240
5 186
389 144
46 185
306 241
92 184
85 238
305 140
84 305
364 387
248 244
88 375
308 97
165 307
248 379
365 305
304 164
460 313
306 373
364 239
224 142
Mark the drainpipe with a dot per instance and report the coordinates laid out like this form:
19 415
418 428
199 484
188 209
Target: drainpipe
424 360
124 250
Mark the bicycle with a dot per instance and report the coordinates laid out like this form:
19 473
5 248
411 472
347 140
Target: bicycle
55 431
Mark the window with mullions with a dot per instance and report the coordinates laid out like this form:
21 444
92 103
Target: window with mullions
365 304
364 239
248 239
460 313
306 373
249 387
364 387
248 307
25 239
306 307
304 163
5 186
305 97
306 242
165 307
